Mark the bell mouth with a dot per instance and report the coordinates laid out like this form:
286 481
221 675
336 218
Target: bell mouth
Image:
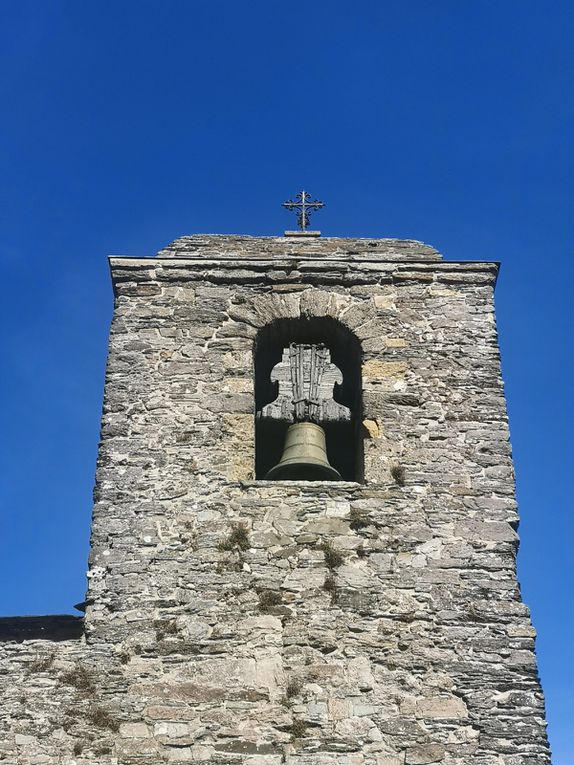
298 471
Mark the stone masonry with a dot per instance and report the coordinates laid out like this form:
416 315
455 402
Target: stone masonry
230 620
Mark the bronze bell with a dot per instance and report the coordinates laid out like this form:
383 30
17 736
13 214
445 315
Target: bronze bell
304 456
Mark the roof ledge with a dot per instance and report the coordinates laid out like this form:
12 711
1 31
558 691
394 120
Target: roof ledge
55 627
240 247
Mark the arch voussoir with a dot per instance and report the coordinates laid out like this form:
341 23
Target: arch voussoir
356 315
370 329
315 303
269 308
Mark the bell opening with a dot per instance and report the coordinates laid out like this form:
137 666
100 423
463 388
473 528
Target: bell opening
343 436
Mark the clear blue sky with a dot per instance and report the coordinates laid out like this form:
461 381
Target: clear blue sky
126 124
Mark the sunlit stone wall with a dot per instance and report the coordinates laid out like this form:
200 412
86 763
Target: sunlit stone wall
239 621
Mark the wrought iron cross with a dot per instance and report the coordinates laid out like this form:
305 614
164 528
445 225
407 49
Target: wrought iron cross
303 204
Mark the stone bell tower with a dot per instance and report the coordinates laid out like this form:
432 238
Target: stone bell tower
364 614
374 619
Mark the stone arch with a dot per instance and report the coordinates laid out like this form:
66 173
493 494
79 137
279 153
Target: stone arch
358 315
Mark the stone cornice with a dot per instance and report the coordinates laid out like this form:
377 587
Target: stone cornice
294 270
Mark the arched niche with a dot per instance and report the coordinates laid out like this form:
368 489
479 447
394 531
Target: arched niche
344 440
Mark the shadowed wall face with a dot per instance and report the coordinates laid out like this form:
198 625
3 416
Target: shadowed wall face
363 622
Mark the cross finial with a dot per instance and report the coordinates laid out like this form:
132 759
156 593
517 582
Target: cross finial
303 204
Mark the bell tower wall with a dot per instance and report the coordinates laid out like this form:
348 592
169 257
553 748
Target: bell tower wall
373 622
